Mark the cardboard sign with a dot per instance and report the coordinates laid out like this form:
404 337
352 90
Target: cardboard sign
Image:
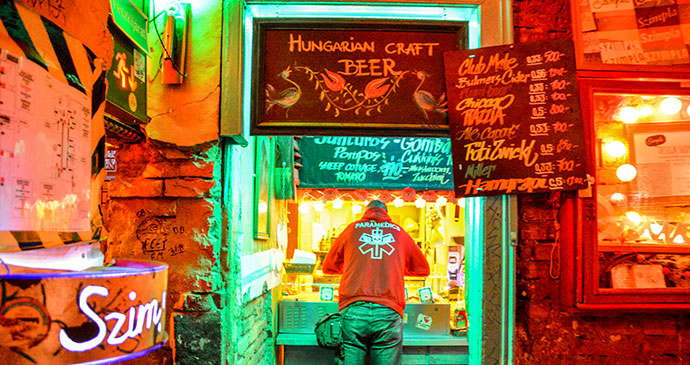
515 120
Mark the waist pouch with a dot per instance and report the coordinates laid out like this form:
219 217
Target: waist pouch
328 329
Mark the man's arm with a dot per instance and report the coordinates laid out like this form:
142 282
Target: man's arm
416 263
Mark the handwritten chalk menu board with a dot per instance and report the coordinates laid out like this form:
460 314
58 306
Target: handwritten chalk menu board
376 163
325 77
515 119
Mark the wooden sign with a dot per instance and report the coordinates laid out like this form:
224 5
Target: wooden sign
376 163
324 77
515 119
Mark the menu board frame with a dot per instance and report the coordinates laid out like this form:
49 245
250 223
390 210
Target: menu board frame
578 34
376 163
397 123
515 119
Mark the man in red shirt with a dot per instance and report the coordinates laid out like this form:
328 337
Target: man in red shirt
373 255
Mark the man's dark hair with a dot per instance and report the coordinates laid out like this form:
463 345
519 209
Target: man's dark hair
377 203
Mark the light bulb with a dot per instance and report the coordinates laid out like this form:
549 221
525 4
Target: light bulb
626 172
670 106
628 115
617 198
398 202
441 201
461 202
303 208
337 203
615 149
263 207
645 110
420 203
356 209
634 217
318 206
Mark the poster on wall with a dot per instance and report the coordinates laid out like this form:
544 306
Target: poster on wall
515 122
628 34
45 150
662 159
326 77
52 135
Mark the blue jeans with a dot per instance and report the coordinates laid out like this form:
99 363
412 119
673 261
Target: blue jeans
373 328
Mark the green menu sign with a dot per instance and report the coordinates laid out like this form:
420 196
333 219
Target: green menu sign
376 163
131 21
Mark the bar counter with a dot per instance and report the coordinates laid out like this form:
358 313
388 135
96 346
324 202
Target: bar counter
426 333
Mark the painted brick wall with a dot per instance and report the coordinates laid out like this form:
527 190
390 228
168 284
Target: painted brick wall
164 205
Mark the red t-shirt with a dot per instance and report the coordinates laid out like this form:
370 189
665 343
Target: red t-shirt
374 255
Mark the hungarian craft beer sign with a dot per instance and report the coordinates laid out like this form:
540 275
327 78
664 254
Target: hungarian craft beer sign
324 76
107 314
515 121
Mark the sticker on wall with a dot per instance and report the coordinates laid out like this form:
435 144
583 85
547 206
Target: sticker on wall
326 293
423 322
25 323
425 294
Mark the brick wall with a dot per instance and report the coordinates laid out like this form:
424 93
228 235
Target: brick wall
545 332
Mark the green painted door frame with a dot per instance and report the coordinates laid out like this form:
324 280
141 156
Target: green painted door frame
491 232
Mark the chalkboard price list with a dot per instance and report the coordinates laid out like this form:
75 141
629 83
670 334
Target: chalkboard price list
515 120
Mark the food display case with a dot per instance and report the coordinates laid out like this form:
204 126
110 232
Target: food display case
627 239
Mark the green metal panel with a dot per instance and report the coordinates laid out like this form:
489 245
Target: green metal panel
131 20
490 226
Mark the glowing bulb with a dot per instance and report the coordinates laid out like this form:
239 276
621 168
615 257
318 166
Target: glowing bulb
398 202
263 207
441 201
670 106
678 239
337 203
688 110
628 115
645 110
617 198
420 203
626 172
318 206
615 149
634 217
461 202
303 208
356 209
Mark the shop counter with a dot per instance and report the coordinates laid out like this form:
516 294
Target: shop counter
426 334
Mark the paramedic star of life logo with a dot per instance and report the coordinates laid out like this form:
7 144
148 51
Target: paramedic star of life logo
376 243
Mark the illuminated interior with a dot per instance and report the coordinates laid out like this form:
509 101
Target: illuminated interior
643 189
435 219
